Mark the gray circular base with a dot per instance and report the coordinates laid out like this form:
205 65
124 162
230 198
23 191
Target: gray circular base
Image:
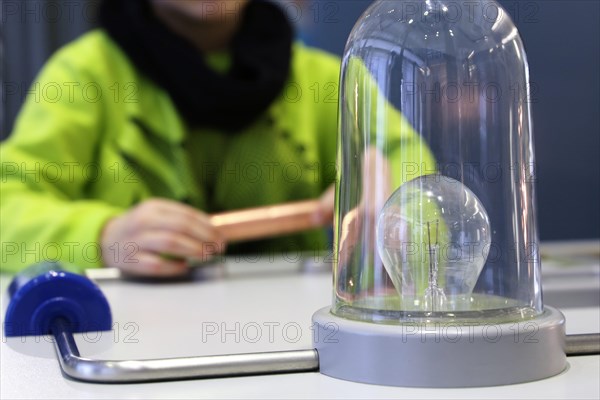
434 355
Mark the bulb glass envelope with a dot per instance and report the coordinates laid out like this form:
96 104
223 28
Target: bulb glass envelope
435 215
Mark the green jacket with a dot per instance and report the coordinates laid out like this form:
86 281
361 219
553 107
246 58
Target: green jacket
96 137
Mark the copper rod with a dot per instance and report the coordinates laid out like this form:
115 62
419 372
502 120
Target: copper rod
269 221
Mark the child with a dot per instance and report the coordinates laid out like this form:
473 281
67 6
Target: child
167 112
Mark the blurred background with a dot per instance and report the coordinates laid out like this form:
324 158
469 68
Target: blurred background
562 39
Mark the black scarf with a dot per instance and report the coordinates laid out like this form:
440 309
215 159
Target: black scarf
261 52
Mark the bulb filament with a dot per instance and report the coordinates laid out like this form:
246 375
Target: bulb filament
433 292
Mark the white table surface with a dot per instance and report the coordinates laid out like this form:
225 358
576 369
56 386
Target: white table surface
275 300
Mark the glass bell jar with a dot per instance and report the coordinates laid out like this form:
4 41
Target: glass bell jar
437 268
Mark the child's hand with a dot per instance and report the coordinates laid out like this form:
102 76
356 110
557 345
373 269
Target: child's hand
156 237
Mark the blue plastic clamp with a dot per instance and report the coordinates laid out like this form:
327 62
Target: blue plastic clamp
44 292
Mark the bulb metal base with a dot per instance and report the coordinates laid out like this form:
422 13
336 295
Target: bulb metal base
441 355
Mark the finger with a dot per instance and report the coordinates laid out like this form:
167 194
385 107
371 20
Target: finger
183 218
159 214
180 208
179 224
174 244
150 264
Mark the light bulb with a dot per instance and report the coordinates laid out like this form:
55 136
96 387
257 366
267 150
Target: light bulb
433 236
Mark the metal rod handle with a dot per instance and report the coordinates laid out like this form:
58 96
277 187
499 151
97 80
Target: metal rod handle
125 371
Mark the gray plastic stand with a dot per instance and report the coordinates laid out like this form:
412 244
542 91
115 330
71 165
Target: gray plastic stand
436 355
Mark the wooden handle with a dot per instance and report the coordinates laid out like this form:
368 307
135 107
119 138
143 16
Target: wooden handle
262 222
